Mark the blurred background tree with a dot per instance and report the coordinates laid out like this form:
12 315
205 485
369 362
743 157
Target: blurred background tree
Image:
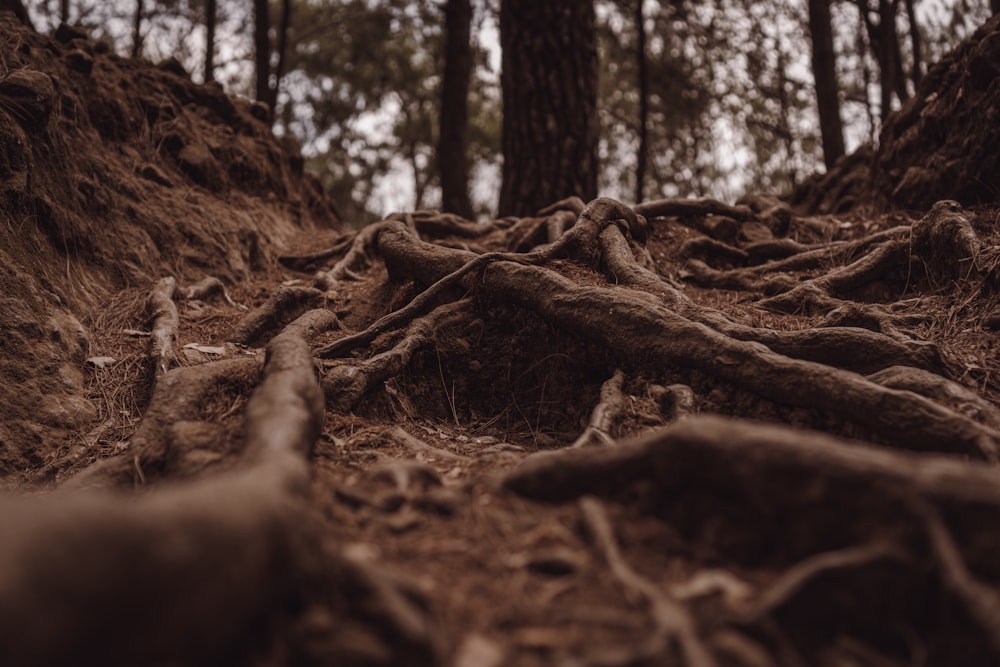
693 97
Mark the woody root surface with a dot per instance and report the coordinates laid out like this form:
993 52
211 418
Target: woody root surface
679 433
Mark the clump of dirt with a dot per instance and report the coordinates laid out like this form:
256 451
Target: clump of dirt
944 143
114 172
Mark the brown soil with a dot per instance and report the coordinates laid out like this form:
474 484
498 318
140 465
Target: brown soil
679 433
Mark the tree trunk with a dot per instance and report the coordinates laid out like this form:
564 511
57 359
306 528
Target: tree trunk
915 44
64 11
17 8
825 75
642 74
137 29
279 69
995 6
454 115
887 23
262 49
210 11
549 81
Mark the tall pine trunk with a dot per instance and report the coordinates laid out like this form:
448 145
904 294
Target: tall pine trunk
262 49
210 12
642 74
454 115
825 75
266 91
549 82
137 29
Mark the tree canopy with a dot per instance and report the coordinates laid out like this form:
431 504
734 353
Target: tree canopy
716 95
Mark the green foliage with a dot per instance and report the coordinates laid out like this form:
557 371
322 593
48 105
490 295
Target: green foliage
362 92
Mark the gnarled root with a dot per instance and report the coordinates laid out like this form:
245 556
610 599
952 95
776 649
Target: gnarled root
831 517
281 307
236 553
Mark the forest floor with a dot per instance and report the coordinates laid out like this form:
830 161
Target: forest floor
680 433
471 463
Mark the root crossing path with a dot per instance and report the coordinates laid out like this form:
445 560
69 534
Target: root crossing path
684 433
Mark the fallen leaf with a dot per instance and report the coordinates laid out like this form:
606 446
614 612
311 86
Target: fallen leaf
207 349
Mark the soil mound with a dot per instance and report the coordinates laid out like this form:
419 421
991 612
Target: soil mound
944 143
114 172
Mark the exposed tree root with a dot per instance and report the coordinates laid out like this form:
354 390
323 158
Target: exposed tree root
355 259
842 516
305 262
164 322
610 407
177 425
205 288
644 333
235 554
662 208
312 323
346 383
818 546
671 620
284 305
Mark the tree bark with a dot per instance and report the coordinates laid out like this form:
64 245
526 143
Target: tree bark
825 75
549 81
262 49
137 29
210 15
18 9
454 116
279 69
915 44
642 74
267 92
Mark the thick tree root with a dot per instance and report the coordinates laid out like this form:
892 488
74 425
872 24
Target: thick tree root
312 323
304 262
163 325
842 516
663 208
177 429
227 553
645 334
843 347
281 307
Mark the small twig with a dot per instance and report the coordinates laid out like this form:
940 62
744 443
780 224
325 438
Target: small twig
416 444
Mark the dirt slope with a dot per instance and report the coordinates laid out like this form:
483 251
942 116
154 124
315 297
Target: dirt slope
114 173
943 144
679 433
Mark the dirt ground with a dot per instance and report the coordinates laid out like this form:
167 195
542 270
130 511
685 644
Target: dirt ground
682 432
